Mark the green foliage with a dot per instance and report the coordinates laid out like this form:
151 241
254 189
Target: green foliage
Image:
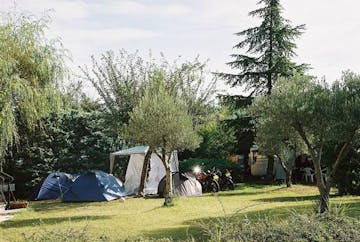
295 228
273 138
73 141
347 176
30 68
313 110
218 140
161 121
239 119
66 235
121 81
270 45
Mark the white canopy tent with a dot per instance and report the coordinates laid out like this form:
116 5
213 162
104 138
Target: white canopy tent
134 169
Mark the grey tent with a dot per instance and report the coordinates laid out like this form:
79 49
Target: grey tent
188 187
185 185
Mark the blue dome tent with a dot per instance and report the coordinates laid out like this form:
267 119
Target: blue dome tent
93 186
55 185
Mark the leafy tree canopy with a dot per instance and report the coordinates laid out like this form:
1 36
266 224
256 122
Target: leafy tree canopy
270 47
161 121
121 81
31 66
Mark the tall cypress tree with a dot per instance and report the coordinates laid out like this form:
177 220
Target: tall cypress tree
269 49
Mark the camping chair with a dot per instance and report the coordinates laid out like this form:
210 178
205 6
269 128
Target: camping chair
6 185
309 174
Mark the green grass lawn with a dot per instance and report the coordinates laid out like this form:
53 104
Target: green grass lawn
148 218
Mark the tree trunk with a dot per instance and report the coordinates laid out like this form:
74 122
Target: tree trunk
144 172
288 177
288 171
168 181
167 193
324 199
324 193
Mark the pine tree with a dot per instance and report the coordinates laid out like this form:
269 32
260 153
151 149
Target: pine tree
270 48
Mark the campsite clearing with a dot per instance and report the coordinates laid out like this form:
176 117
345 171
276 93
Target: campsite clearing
137 217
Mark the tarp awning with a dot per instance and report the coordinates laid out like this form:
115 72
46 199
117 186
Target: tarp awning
126 152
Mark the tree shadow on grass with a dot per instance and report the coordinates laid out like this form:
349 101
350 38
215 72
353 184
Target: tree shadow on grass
242 186
293 198
177 234
288 199
48 221
192 228
242 193
50 205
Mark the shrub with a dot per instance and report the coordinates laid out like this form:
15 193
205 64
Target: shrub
81 234
306 227
64 234
347 177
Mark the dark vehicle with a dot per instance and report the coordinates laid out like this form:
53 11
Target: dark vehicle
209 180
225 180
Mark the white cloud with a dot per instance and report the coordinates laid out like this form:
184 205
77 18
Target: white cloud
80 9
137 8
106 35
84 43
63 9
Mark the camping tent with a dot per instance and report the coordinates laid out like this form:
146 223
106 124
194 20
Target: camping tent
185 185
55 185
94 186
134 169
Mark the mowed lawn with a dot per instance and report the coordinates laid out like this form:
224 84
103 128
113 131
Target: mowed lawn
147 218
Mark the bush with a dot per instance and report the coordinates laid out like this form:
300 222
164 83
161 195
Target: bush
73 141
296 228
81 234
64 234
347 177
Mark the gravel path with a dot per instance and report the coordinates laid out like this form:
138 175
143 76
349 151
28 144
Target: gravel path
7 214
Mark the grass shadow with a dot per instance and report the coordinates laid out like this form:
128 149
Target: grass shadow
177 234
48 221
292 198
237 192
43 206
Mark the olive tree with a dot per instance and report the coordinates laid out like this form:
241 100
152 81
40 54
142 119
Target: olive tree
278 140
319 114
162 122
31 66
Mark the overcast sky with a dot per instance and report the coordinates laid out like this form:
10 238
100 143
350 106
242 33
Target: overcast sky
189 28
